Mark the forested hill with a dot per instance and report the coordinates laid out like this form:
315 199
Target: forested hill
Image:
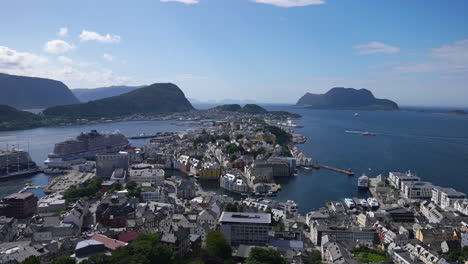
158 98
33 93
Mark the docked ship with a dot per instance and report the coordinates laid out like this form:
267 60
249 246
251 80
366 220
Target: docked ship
350 203
85 146
373 203
363 182
16 162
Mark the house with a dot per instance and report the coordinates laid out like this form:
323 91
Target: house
436 235
178 240
207 217
109 243
87 248
186 190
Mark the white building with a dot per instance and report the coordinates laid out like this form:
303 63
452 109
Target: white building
233 183
461 206
141 174
446 197
417 189
50 203
398 178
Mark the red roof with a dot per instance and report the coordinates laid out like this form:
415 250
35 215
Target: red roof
108 242
128 236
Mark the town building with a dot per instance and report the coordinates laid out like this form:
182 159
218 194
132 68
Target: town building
245 228
107 163
397 179
446 197
20 205
141 173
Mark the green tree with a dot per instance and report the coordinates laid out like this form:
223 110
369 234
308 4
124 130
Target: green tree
131 185
265 256
216 245
31 260
315 257
64 260
98 259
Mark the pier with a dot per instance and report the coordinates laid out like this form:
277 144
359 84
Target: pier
347 172
27 187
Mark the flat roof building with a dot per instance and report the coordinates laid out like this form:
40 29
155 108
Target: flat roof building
245 228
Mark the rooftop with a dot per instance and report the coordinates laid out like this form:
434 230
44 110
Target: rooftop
257 218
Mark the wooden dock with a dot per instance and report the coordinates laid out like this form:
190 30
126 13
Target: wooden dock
347 172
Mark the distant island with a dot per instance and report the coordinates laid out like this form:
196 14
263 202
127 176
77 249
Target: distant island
346 98
33 93
158 98
253 109
456 112
91 94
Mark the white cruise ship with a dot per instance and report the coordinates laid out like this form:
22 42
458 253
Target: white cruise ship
363 182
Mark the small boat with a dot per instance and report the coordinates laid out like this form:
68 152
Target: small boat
369 134
349 203
356 114
372 203
271 194
363 203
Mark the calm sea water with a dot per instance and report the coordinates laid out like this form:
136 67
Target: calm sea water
434 146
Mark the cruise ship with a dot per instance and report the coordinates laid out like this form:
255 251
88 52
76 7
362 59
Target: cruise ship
363 182
16 162
86 145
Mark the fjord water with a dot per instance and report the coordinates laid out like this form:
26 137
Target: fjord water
432 145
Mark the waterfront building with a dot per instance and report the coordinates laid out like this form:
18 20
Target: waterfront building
20 205
417 189
259 172
107 163
233 183
209 171
398 178
446 197
245 228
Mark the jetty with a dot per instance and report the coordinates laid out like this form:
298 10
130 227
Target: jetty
28 186
347 172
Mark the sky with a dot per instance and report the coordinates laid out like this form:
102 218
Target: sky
270 51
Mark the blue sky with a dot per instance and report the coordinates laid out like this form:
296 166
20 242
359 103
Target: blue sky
414 52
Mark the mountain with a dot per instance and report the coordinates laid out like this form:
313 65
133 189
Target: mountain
33 93
157 98
346 98
228 107
86 95
12 118
253 109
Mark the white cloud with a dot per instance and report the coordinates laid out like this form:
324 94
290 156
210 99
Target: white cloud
290 3
65 60
86 35
108 57
58 46
376 47
451 58
12 60
63 31
188 2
